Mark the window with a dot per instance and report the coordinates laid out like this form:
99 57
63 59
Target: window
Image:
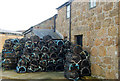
68 11
79 39
92 3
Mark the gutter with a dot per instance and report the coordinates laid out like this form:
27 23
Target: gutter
27 31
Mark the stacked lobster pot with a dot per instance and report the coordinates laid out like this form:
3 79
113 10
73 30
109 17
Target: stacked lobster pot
34 54
42 55
30 57
77 63
11 52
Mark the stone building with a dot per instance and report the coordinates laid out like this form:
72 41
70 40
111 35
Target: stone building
47 27
47 24
4 34
95 26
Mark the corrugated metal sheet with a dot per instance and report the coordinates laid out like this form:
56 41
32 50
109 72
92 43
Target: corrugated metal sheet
43 32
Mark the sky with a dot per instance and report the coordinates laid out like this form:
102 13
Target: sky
22 14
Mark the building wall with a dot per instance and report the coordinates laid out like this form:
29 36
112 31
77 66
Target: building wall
99 27
119 39
3 37
62 23
47 24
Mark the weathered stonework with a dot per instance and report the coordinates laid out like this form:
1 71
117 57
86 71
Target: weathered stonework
101 34
47 24
63 26
119 40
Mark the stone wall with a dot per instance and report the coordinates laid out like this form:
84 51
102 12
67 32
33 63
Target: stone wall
47 24
99 27
119 39
3 37
62 23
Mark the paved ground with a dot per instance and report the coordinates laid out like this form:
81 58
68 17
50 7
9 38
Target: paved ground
37 75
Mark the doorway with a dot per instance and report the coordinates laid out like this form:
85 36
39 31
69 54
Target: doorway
79 39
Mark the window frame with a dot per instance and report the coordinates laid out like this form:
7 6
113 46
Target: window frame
68 11
92 4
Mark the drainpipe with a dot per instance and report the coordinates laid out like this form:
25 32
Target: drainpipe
31 29
70 25
55 23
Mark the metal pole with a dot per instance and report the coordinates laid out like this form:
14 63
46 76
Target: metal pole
70 25
55 23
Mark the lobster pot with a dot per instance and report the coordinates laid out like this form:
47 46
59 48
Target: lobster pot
77 49
20 69
9 60
85 71
61 55
9 63
85 63
77 63
60 43
8 54
50 67
59 67
42 55
45 55
53 56
52 49
73 75
34 69
51 43
35 39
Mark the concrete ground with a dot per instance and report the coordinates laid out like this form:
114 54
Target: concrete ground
37 76
11 74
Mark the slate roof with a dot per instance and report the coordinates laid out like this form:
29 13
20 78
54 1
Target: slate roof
44 32
65 4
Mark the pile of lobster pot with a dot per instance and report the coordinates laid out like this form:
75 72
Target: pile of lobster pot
43 55
34 54
12 50
77 63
